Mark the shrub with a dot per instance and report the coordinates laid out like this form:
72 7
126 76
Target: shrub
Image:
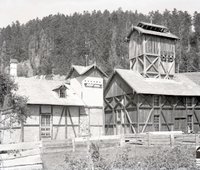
123 159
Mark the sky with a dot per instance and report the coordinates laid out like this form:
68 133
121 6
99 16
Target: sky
25 10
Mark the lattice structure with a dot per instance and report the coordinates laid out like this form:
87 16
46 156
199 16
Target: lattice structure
152 51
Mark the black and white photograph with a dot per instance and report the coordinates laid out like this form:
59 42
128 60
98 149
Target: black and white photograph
99 84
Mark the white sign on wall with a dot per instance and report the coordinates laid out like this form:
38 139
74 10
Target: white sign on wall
93 83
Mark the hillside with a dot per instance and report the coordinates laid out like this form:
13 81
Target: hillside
53 43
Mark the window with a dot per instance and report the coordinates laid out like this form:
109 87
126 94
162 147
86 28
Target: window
156 101
156 122
163 58
62 93
45 126
170 58
190 123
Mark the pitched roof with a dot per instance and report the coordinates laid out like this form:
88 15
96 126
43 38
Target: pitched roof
42 92
181 85
81 70
142 29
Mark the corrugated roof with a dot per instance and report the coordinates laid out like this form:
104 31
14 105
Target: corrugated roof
41 92
181 85
81 70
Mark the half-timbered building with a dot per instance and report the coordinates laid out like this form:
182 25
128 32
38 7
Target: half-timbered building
151 96
59 109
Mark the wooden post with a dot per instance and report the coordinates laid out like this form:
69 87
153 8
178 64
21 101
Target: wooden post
22 131
1 138
172 140
79 121
51 119
66 123
195 140
114 121
122 141
73 145
138 110
40 122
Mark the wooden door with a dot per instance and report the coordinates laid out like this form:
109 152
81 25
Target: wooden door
45 127
180 124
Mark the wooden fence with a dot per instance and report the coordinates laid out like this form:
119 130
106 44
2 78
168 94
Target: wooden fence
21 156
162 139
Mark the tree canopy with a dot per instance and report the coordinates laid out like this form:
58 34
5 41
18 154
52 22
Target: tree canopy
13 108
53 43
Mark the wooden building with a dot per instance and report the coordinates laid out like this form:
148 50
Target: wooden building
60 109
152 50
88 82
151 96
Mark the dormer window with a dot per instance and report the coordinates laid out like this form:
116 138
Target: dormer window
62 92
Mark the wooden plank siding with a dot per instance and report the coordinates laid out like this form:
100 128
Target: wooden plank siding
128 112
152 56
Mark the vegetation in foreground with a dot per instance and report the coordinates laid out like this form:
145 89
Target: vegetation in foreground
126 158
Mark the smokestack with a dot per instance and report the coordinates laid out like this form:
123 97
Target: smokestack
13 67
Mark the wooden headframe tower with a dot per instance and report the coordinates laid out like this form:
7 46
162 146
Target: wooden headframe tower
142 98
152 50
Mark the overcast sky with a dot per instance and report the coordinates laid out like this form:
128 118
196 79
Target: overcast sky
24 10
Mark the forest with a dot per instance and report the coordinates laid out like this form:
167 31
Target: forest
52 44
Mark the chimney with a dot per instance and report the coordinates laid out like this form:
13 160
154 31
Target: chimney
13 67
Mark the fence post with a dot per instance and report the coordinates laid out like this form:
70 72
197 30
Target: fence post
73 145
148 139
172 140
197 139
122 141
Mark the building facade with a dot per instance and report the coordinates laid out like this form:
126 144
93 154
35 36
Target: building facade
88 82
151 96
59 109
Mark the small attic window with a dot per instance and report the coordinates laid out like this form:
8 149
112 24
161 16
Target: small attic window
62 92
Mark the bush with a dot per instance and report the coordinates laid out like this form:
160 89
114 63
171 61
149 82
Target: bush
171 158
123 159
